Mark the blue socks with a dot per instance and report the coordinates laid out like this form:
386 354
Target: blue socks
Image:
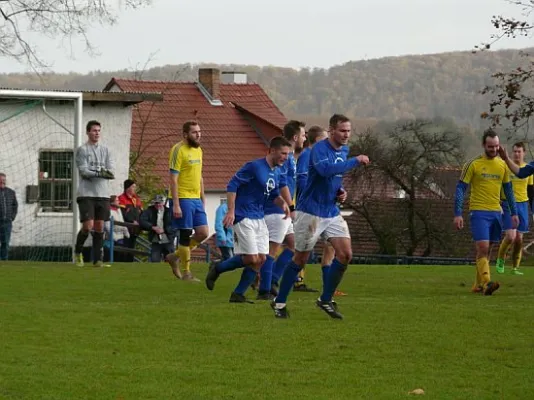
288 279
229 265
247 278
283 259
325 270
266 275
333 278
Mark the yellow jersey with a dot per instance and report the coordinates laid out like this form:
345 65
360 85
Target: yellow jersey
520 186
187 162
485 177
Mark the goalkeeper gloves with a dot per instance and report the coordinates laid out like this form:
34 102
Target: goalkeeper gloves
106 174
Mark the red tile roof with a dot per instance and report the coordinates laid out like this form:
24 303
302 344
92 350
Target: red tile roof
233 133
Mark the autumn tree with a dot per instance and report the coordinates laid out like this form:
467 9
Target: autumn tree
21 21
145 117
512 96
404 158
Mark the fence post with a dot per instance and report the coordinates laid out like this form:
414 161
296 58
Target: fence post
111 239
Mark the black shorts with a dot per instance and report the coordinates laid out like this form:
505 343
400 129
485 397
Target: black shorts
93 208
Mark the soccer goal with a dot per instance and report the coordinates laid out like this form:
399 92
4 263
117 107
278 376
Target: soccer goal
39 132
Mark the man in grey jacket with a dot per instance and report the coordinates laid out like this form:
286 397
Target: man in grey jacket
8 212
96 167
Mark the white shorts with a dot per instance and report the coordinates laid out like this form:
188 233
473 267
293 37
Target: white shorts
251 236
309 228
278 227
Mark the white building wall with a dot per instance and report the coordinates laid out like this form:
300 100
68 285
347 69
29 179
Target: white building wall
23 136
213 200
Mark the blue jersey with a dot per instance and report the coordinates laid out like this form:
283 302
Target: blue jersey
288 176
303 164
325 176
254 184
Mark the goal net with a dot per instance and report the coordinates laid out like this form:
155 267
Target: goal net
38 134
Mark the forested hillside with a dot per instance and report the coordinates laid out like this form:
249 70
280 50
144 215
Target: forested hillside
441 85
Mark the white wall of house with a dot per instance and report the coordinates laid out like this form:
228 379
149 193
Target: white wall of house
213 200
25 135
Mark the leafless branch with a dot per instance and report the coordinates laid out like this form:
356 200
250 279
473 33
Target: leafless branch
57 19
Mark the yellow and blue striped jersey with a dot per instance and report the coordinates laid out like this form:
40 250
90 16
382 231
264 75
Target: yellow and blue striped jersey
186 161
520 186
485 177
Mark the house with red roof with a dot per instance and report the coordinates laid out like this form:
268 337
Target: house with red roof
237 120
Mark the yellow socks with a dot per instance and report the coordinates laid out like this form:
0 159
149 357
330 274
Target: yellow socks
517 252
193 244
483 270
478 279
301 276
184 252
503 248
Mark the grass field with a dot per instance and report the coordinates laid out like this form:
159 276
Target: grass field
134 332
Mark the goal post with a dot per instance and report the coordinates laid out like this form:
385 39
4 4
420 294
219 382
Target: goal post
22 124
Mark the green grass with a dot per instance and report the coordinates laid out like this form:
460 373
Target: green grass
134 332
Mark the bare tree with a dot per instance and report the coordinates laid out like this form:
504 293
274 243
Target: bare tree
407 155
145 115
512 97
56 19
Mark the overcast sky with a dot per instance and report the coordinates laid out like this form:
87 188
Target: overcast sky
292 33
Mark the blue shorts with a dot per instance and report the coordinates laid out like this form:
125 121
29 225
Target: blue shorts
193 214
522 213
486 225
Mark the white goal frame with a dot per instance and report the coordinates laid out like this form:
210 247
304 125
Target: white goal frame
77 97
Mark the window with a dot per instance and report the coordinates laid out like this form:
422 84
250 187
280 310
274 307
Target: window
55 180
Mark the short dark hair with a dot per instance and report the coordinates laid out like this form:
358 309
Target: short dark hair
187 125
337 119
292 128
278 142
520 145
2 174
92 123
314 132
488 133
112 198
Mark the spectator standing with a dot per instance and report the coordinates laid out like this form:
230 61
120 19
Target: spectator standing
8 213
121 234
224 237
132 207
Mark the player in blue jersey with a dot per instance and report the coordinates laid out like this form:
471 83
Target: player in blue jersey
281 228
247 192
318 215
315 134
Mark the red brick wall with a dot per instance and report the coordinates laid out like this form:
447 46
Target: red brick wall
390 216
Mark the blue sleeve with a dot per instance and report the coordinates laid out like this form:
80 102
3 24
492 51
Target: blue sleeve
509 193
242 177
219 229
461 188
526 171
325 168
174 172
302 171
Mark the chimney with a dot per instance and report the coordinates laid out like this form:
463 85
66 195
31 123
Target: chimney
211 80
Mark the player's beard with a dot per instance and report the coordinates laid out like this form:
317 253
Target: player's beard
490 154
192 143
